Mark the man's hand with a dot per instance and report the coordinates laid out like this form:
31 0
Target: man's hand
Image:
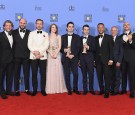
110 62
130 38
86 46
117 64
70 56
36 53
67 50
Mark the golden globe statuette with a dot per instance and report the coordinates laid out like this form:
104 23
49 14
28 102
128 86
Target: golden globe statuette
69 52
84 43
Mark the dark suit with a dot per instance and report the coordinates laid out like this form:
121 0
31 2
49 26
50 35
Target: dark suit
129 63
87 63
115 71
6 63
103 54
71 64
21 54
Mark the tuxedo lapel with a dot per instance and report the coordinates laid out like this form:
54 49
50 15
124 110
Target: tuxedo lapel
5 37
103 40
19 34
66 41
72 41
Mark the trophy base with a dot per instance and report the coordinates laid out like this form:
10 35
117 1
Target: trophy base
84 52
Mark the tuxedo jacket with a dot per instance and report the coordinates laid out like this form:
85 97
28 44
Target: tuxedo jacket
20 44
75 46
104 52
118 50
6 51
38 44
129 49
90 52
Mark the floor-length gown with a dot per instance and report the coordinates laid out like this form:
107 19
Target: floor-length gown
55 79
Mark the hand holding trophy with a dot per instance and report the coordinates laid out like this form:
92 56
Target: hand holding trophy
84 46
54 52
68 51
130 37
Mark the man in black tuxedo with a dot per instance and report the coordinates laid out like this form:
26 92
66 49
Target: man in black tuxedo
70 57
6 59
128 42
21 56
87 59
103 59
116 67
126 27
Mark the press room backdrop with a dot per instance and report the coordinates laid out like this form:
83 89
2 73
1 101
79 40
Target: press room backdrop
110 12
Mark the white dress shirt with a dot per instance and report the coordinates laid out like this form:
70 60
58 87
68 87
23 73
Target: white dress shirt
22 33
114 38
69 41
10 38
100 40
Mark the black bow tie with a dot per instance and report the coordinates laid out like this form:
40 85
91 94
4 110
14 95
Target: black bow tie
39 32
9 33
100 36
22 31
125 34
84 37
70 34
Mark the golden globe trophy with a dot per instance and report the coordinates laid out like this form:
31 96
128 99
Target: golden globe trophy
69 51
84 43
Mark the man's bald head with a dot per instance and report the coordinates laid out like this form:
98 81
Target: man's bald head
22 23
126 26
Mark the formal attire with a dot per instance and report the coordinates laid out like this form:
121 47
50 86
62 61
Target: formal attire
38 41
116 71
87 62
21 57
129 62
55 79
104 53
72 41
6 61
124 65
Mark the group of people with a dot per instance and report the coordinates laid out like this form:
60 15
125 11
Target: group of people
57 56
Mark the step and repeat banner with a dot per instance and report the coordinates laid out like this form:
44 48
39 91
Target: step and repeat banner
111 13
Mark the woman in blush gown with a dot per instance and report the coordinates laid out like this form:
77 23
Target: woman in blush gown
55 79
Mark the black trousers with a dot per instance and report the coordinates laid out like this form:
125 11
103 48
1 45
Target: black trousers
87 66
131 75
6 69
115 74
34 66
71 65
17 68
103 75
124 75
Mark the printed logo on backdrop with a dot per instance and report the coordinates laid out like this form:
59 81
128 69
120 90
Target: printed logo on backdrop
2 7
71 8
121 18
105 9
38 8
88 18
18 16
53 17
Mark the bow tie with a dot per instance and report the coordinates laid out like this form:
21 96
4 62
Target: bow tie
70 34
9 33
84 37
39 32
125 34
22 31
100 36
